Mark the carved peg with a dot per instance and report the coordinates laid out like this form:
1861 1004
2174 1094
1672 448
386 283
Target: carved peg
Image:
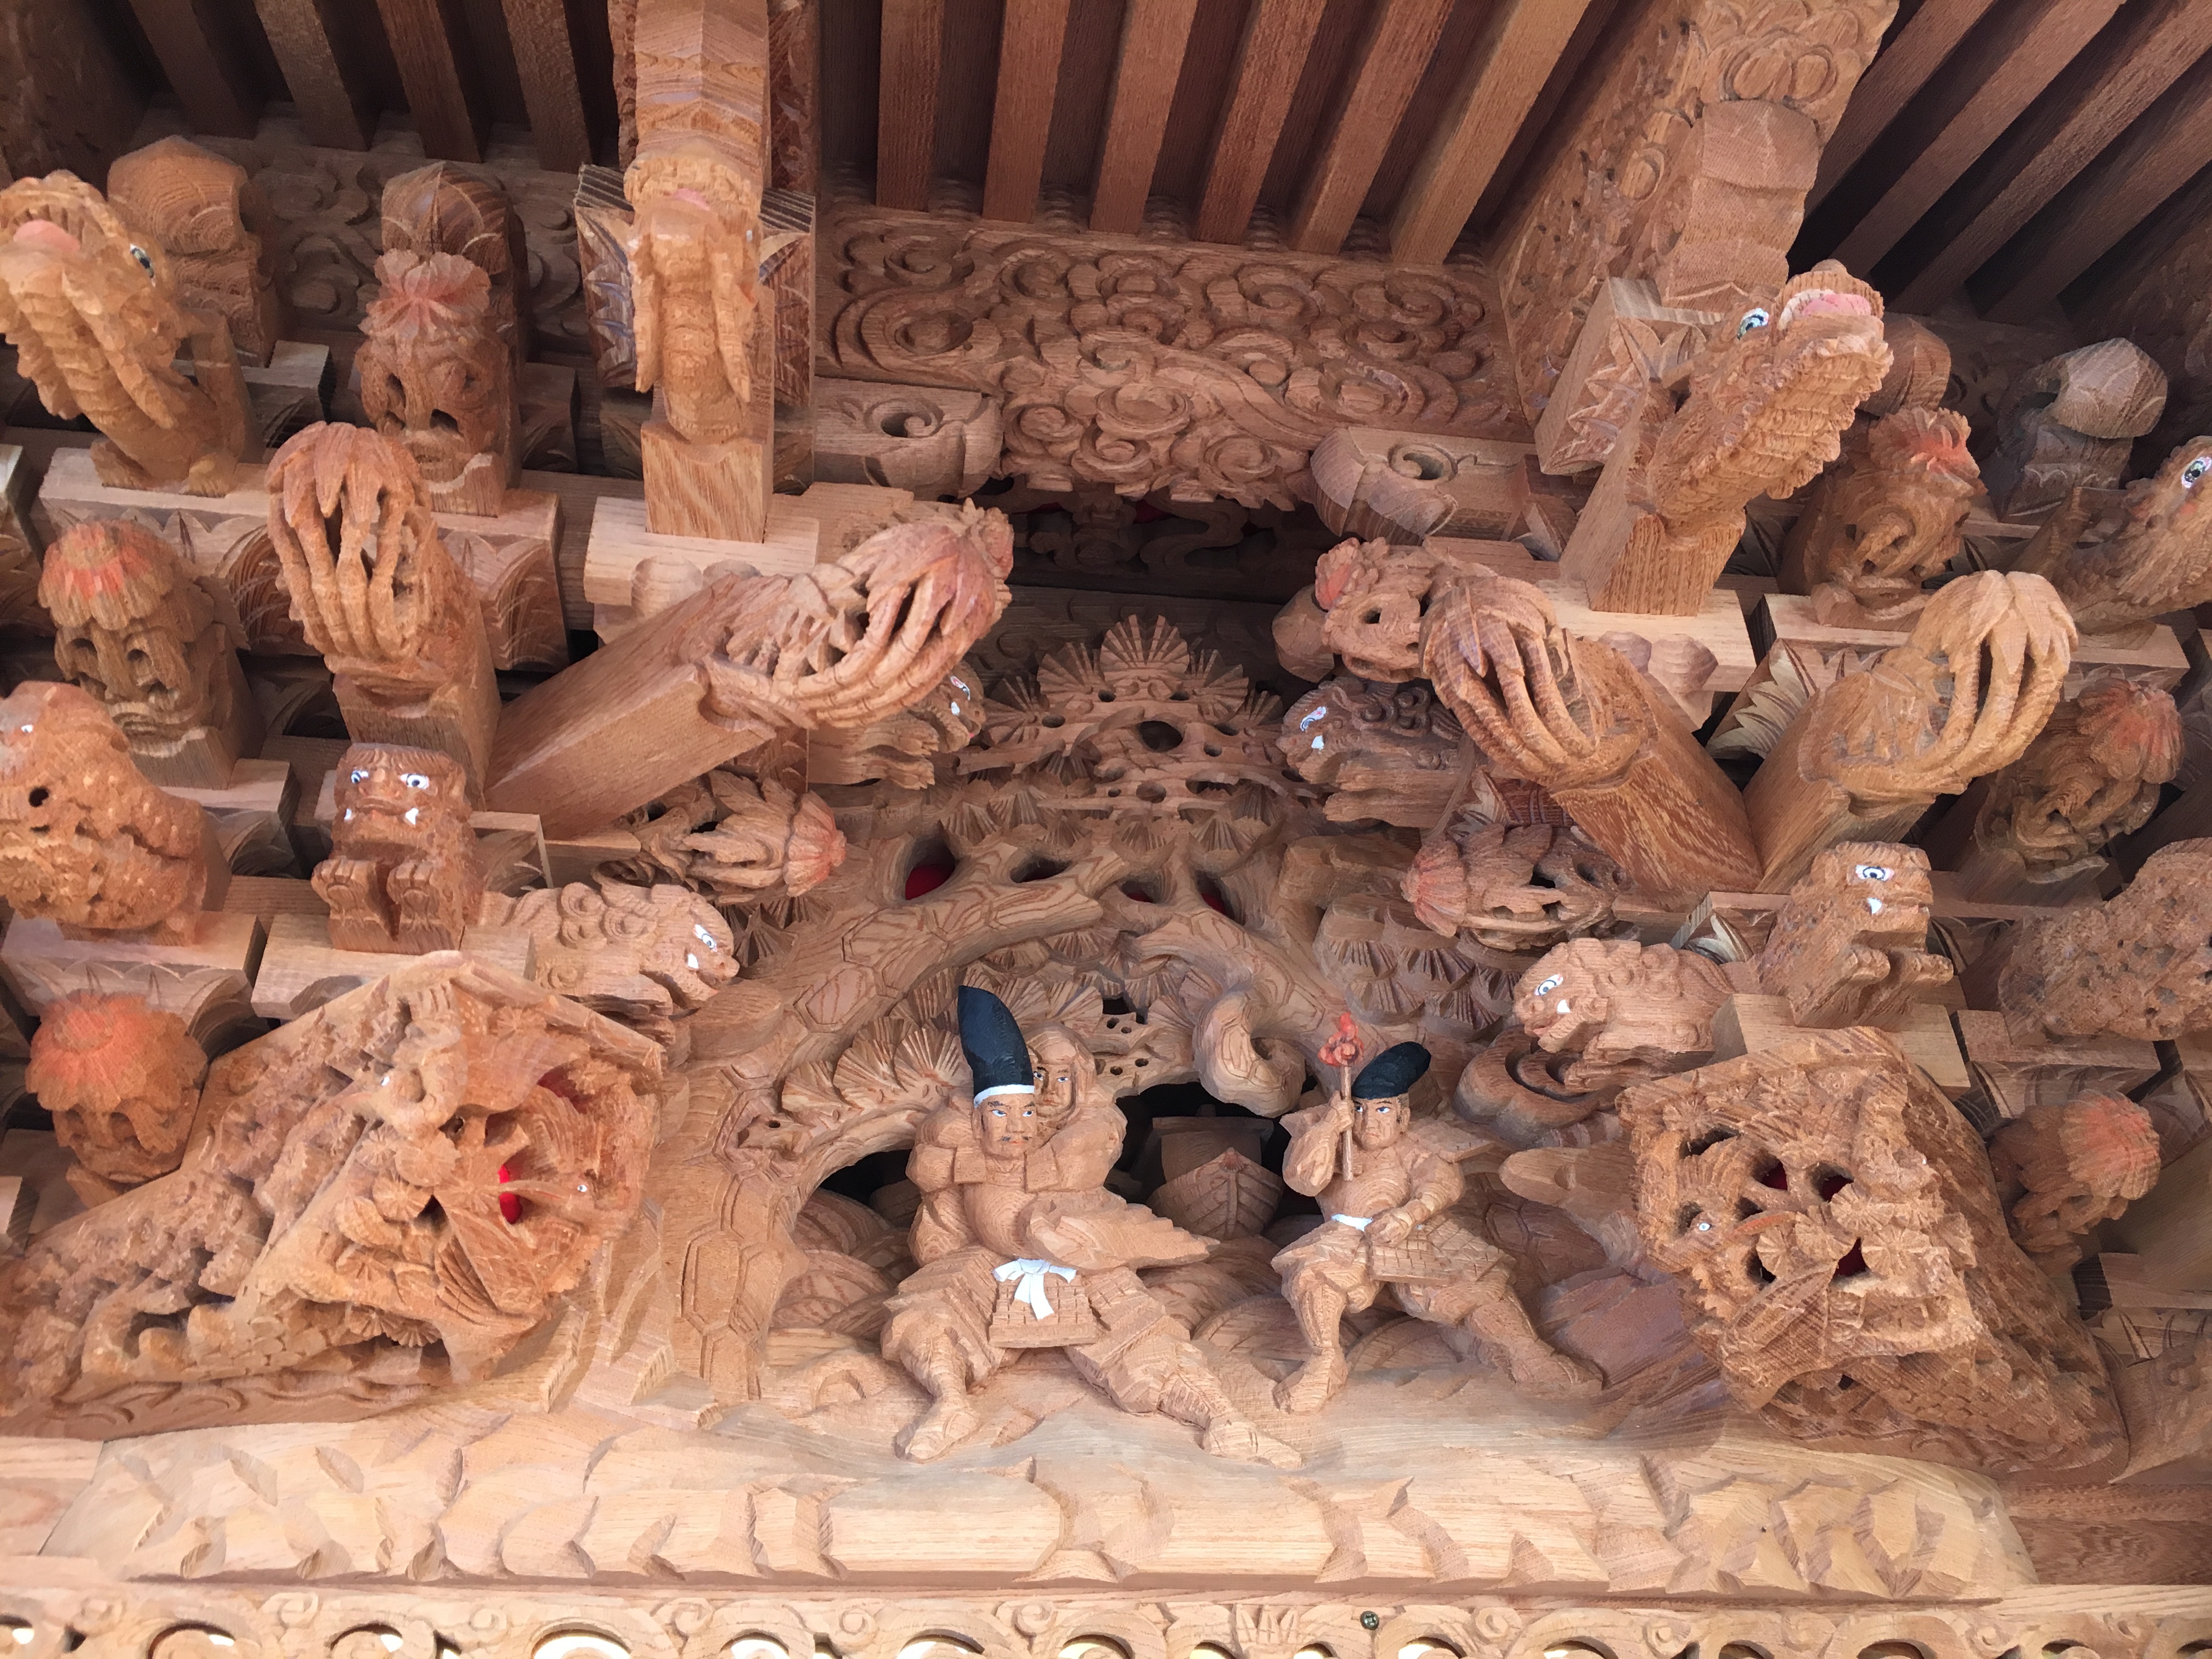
1964 695
402 874
122 1080
220 233
378 596
2138 965
2158 560
1573 715
2072 424
436 379
134 628
1849 945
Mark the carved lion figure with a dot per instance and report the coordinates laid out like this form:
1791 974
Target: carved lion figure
2092 776
1885 520
640 955
2160 560
1512 887
122 1080
402 874
1626 1010
1849 946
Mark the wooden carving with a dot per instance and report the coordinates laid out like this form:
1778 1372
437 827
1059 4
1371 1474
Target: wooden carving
1765 410
2160 559
910 748
1381 750
1147 365
639 955
2072 424
134 629
1374 597
398 1187
2092 776
441 209
1213 1182
1831 1219
843 647
215 223
1885 520
2061 1170
1512 886
1849 947
1385 1181
378 596
1964 696
1573 715
403 874
122 1080
96 319
2138 965
740 840
84 839
436 379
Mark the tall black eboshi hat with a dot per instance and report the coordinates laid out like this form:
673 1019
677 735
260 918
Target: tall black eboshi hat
998 1059
1391 1072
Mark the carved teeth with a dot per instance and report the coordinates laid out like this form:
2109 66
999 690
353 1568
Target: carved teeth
1824 301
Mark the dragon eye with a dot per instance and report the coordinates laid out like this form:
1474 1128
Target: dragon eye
414 780
1757 317
360 775
1872 871
2196 470
1550 985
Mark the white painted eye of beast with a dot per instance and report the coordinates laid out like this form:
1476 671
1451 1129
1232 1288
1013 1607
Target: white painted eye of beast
2196 470
1321 713
416 780
360 775
1757 317
145 259
1551 985
1873 871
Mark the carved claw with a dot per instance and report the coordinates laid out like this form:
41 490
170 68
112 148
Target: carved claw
350 887
377 593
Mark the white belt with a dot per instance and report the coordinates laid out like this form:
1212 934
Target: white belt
1358 1223
1032 1270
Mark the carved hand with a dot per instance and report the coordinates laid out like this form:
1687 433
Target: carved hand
1391 1227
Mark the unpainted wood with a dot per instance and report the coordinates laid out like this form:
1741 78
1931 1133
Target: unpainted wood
1278 35
328 85
1154 35
1030 45
1400 37
429 41
906 118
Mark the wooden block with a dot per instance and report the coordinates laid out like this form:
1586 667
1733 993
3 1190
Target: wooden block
301 971
620 542
1748 1022
331 86
1629 341
38 1159
577 858
545 61
206 983
2170 1228
430 43
1270 58
268 897
696 490
906 116
292 392
2126 1280
1404 487
1155 35
1029 44
2020 1074
1400 39
1694 660
546 406
508 558
932 442
252 816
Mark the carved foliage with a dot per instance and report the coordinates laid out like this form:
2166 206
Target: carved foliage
1831 1221
2062 1168
1849 945
1886 520
441 209
1512 887
740 841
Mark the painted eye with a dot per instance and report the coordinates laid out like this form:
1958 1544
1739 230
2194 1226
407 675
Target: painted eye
1551 985
145 259
1873 871
1319 713
2196 470
414 780
704 936
359 776
1757 317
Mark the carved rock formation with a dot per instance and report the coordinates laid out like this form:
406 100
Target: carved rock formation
396 1188
402 872
1842 1255
1885 520
216 226
2138 965
122 1080
96 320
2062 1168
2092 776
1849 946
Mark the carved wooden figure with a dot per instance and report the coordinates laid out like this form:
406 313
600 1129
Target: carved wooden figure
84 839
1884 520
2061 1170
1382 750
122 1080
403 874
441 209
1385 1182
1573 715
1849 947
1841 1255
1021 1246
2092 776
396 1188
1512 886
2138 965
378 596
1766 409
2158 560
133 628
1963 697
96 319
216 226
2071 426
436 379
639 955
738 840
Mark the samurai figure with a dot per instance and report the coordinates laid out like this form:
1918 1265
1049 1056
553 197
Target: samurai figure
1021 1246
1385 1182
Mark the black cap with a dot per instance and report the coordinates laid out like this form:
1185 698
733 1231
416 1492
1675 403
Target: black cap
998 1059
1390 1074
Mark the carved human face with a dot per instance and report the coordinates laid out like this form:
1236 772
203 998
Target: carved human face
1008 1125
1379 1123
1065 1070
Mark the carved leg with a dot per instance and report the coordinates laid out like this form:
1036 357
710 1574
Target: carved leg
417 892
1194 1395
1538 1369
951 1418
1320 1308
213 474
359 921
117 470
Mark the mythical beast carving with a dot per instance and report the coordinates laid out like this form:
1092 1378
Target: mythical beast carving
1885 520
1849 946
96 320
2160 560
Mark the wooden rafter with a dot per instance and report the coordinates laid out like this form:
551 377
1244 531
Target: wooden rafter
1401 37
1270 57
1021 114
1155 34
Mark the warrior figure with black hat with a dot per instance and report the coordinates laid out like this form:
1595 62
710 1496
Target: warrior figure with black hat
1384 1182
1021 1246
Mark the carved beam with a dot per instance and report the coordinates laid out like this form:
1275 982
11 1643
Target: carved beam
1404 488
1628 343
932 440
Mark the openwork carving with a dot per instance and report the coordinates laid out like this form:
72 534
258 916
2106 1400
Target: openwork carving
640 955
2138 965
398 1186
403 874
435 377
1148 365
1849 947
2061 1170
84 839
1885 520
1842 1256
96 320
2158 560
1512 886
215 224
2092 776
1573 715
122 1080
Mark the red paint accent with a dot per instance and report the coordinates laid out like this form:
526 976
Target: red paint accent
927 878
1778 1177
1853 1263
510 1204
1131 890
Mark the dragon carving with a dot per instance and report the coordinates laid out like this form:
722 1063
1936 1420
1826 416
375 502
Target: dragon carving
1885 521
2160 560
